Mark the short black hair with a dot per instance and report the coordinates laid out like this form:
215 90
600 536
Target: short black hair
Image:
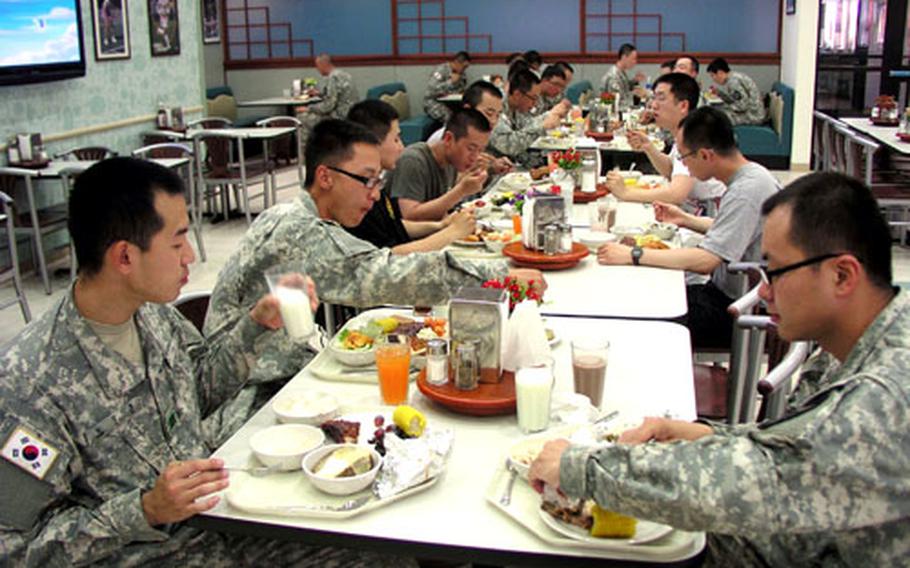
683 87
377 116
474 93
554 71
114 200
332 140
532 56
463 57
689 57
671 63
565 65
465 118
625 49
513 57
522 81
832 212
516 66
710 128
719 64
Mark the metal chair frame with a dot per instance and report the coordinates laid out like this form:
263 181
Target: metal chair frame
300 135
86 153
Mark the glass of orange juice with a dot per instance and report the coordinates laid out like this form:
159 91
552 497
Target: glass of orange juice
393 360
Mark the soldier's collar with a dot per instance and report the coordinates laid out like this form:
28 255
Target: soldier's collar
883 324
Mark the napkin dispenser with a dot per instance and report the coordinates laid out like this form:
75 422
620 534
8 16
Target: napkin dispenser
481 313
537 214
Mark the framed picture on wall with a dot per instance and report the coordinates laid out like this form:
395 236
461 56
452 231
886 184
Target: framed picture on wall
164 27
791 6
211 28
112 29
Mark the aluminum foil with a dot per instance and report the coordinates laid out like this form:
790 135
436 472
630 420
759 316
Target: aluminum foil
410 462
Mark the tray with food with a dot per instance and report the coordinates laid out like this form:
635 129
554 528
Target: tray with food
363 460
652 542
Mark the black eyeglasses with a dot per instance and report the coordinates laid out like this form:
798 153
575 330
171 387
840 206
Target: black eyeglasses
768 276
369 182
688 154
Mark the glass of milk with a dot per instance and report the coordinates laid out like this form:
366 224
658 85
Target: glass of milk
533 390
288 284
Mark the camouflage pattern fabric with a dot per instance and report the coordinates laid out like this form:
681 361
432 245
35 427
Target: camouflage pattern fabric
742 99
338 96
515 132
825 485
346 271
616 81
115 427
545 103
441 84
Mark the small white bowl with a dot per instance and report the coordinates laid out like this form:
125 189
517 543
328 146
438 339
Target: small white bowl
664 231
339 485
353 358
282 447
626 174
595 239
304 407
627 231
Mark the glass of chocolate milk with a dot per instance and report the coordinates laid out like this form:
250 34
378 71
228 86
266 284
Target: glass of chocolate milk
589 367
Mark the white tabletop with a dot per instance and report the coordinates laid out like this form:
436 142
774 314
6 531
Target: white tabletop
257 132
450 98
454 514
884 134
56 167
280 101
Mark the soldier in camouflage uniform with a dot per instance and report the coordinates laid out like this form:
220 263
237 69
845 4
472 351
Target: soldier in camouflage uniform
741 96
101 422
827 484
448 78
338 96
553 84
517 127
347 270
616 80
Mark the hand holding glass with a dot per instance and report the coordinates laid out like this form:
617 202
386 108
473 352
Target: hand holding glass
288 284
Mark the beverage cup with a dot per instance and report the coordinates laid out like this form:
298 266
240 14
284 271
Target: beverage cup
589 367
533 391
602 214
288 284
393 361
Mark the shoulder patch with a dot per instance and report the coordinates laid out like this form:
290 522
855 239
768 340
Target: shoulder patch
29 452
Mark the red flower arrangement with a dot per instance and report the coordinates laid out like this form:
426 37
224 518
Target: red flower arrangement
517 291
568 160
607 97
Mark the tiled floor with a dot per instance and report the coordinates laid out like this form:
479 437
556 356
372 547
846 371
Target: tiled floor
221 239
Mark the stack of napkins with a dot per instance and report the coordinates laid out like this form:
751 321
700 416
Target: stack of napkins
525 343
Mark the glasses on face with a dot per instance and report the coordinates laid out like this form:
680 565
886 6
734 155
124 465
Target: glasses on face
368 182
688 155
768 276
532 98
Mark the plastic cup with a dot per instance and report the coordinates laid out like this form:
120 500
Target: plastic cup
288 284
393 361
589 367
516 224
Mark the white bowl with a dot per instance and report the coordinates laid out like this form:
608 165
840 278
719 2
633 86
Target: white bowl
353 358
595 239
626 174
627 231
305 407
664 231
339 485
282 447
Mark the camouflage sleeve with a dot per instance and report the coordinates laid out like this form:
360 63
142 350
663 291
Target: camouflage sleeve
329 98
835 467
735 95
611 83
440 84
41 524
514 142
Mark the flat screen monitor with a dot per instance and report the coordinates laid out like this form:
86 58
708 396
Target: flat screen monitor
40 40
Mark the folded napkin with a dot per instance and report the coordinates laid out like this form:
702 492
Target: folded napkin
525 343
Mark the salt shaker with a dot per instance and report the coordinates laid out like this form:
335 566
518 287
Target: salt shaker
565 238
437 362
467 371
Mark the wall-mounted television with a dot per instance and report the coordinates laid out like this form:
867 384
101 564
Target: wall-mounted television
40 40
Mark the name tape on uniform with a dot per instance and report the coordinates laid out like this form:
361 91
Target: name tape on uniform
29 452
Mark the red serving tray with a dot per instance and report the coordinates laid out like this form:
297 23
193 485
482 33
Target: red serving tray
488 399
600 136
903 137
879 122
31 164
536 259
582 197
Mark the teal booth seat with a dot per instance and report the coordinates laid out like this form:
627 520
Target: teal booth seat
413 129
220 101
579 91
769 144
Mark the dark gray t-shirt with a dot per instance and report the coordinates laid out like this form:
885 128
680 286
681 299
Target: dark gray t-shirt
417 175
735 235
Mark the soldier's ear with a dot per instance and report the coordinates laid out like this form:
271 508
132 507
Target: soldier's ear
120 256
324 177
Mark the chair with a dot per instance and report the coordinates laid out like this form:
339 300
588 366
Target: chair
776 386
210 122
87 153
220 101
12 273
770 144
193 306
220 171
579 92
413 128
288 148
37 222
172 150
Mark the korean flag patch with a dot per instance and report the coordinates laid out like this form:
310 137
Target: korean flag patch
29 452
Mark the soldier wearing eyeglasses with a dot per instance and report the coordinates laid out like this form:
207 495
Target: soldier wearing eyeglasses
825 485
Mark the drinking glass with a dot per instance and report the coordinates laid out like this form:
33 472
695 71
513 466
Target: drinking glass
602 214
533 392
287 282
589 367
393 361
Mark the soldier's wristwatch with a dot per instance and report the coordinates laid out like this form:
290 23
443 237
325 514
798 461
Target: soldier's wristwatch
636 255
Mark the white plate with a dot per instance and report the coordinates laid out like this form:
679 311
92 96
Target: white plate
516 181
469 244
645 531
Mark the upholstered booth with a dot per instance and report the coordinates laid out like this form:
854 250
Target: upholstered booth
413 129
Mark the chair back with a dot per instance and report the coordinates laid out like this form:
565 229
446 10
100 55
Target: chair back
282 148
87 153
395 94
220 101
820 150
217 154
579 91
163 150
859 154
210 122
194 306
777 384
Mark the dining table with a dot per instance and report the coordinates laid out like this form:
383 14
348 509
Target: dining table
887 135
461 514
288 102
